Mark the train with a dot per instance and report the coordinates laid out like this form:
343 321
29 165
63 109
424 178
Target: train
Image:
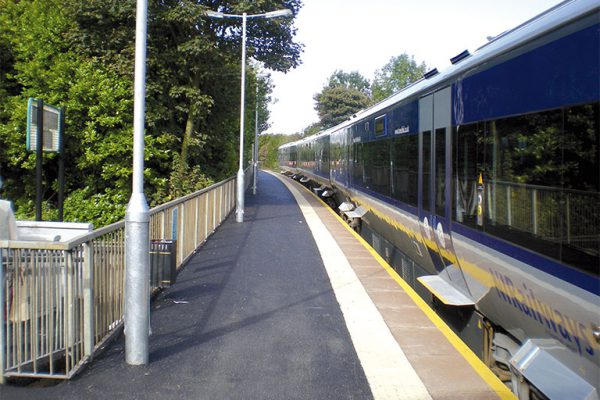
480 185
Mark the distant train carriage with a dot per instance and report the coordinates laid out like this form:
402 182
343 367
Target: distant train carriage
482 185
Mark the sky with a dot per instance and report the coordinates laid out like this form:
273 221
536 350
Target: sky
363 35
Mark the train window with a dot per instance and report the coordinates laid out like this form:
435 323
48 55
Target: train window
523 157
581 152
335 153
405 175
540 182
440 171
580 233
467 165
426 154
357 164
323 157
380 126
376 171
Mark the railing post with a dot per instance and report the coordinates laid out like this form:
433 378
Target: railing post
231 186
568 218
214 209
509 205
181 235
220 204
534 211
88 299
162 224
206 201
69 300
197 219
2 320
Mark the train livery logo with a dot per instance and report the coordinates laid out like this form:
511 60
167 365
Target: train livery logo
426 226
439 231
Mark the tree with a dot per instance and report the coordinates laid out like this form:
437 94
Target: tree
312 129
335 105
398 73
268 148
343 95
350 80
80 54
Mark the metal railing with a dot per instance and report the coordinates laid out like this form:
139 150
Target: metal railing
59 302
560 216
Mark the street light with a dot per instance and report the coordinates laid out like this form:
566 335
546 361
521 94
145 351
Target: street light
255 147
137 217
239 209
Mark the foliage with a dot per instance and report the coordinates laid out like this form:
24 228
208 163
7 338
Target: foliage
336 104
268 145
312 129
80 55
185 179
101 208
343 95
398 73
350 80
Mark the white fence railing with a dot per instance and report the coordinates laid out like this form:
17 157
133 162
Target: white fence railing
59 302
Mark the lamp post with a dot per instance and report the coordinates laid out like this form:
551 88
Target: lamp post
255 148
239 209
137 217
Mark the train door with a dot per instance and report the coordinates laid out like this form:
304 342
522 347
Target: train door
434 182
340 157
346 140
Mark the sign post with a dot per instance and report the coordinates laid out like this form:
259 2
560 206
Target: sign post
39 158
46 139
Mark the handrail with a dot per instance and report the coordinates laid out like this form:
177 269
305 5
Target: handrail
65 299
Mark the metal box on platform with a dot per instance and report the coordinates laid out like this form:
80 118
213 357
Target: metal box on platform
163 267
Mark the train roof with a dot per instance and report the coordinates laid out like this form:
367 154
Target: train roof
554 18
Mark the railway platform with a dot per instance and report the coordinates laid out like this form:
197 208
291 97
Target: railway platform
290 304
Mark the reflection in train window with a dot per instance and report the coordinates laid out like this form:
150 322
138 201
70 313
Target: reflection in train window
406 168
468 164
540 182
377 167
426 154
440 171
357 164
321 149
380 126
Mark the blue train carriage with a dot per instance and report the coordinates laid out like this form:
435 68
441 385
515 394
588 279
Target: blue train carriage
287 158
523 195
314 152
483 185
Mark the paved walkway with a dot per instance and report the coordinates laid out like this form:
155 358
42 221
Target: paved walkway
252 316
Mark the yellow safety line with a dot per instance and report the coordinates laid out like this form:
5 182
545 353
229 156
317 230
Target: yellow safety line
484 372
